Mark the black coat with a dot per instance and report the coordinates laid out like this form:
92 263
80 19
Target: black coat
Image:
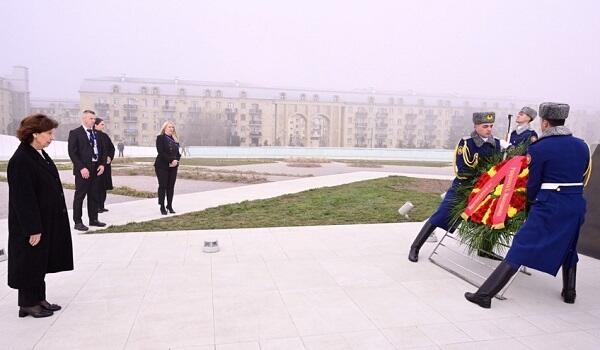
81 152
168 150
109 150
36 204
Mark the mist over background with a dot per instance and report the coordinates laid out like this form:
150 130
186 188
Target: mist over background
537 50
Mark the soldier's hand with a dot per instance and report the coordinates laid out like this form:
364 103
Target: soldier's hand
35 239
100 170
85 173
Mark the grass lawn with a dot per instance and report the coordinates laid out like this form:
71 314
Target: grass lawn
363 163
365 202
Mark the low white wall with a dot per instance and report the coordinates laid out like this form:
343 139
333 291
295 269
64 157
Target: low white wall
58 150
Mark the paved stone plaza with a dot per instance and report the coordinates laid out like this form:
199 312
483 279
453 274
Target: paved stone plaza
291 288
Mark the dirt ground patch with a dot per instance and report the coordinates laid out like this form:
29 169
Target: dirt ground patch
425 186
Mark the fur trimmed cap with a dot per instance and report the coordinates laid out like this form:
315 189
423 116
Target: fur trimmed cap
554 111
484 118
531 113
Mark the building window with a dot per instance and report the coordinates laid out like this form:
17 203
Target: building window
115 89
218 106
154 91
336 98
219 93
155 102
282 96
144 126
302 97
181 92
207 93
144 90
243 105
230 105
371 100
115 101
207 104
315 97
243 94
391 100
243 117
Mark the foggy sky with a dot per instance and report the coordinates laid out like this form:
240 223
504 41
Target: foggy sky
543 50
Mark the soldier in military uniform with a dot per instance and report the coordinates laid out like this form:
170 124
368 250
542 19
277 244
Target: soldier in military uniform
481 143
559 165
524 132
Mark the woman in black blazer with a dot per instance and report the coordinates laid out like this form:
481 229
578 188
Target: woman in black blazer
106 177
39 235
166 164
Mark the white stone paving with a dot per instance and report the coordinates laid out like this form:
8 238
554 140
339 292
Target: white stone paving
290 288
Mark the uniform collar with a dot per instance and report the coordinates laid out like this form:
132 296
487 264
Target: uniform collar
522 128
556 130
479 141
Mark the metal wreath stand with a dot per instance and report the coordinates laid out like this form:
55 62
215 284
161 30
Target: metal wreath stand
457 267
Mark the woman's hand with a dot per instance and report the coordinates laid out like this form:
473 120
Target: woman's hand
35 239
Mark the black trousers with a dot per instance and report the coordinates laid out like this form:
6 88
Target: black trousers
86 187
32 296
101 196
166 184
101 186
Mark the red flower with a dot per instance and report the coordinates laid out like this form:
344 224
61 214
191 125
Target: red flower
521 182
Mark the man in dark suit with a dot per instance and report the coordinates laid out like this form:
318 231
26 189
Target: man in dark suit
85 152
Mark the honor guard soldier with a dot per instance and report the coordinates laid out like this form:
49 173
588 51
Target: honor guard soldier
559 166
524 132
481 143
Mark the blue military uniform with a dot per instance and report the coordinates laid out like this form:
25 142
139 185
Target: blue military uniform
559 165
467 154
529 135
548 238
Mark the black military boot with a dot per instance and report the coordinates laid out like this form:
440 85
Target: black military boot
425 232
497 280
568 291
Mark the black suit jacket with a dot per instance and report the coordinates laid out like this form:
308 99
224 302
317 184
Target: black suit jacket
81 152
167 151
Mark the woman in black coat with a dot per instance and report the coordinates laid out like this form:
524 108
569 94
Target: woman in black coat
166 164
109 149
39 235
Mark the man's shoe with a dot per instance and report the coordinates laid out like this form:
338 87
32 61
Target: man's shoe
102 210
163 211
80 227
97 223
492 285
50 307
170 209
34 311
485 301
425 232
